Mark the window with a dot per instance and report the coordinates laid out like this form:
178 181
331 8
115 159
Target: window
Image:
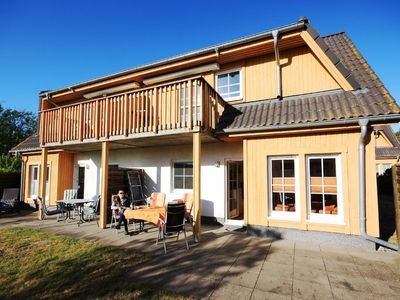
183 175
34 174
324 186
229 85
34 181
283 187
184 103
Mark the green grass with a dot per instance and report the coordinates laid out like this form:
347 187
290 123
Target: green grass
40 265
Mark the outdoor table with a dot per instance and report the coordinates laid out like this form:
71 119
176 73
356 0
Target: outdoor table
150 214
78 203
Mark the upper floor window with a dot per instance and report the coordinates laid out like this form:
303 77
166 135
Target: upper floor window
229 84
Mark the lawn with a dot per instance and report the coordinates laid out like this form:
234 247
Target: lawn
40 265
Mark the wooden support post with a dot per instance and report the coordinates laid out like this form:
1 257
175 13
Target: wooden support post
396 199
197 183
42 179
104 184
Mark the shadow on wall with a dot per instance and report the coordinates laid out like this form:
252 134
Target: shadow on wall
149 186
387 219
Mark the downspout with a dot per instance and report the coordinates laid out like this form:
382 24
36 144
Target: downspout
275 35
361 154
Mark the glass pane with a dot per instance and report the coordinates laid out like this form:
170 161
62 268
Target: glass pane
277 201
178 169
235 94
234 77
290 201
316 203
315 167
188 169
188 183
234 88
276 168
222 79
331 204
329 167
35 173
178 182
288 168
223 90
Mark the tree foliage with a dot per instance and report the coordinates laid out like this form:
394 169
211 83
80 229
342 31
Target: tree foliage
15 126
9 163
398 134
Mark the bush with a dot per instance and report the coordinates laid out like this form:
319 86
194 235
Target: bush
9 163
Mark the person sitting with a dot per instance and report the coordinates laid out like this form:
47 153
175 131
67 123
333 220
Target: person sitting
118 207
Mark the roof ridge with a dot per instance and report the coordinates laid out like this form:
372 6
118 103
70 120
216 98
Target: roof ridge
333 34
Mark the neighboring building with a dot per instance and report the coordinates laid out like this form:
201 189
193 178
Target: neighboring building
387 148
265 130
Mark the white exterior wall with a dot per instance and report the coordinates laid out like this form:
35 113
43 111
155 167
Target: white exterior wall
157 163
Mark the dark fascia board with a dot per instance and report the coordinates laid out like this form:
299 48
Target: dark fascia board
333 58
254 37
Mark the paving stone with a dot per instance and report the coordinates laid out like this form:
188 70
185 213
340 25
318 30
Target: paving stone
245 279
345 294
348 269
349 283
313 262
303 289
382 287
226 290
261 295
280 258
275 269
199 287
277 285
310 274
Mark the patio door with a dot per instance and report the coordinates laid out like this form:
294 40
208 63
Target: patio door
235 207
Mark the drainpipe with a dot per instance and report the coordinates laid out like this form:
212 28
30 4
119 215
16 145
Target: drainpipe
275 35
361 154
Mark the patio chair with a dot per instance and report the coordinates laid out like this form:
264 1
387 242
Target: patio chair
157 199
92 210
49 211
174 223
9 200
188 200
68 195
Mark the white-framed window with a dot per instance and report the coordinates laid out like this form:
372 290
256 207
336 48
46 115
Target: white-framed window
283 180
229 84
183 175
324 189
34 181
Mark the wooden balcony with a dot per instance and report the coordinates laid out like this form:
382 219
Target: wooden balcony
181 106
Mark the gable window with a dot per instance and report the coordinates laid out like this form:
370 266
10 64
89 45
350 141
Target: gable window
324 186
229 85
183 175
283 190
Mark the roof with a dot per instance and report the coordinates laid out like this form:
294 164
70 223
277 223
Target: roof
372 100
388 152
28 145
301 23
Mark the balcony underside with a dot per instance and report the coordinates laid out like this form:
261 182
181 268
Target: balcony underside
161 139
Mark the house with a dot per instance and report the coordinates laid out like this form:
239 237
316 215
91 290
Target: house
271 130
387 148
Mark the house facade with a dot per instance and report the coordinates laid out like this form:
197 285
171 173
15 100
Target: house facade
271 130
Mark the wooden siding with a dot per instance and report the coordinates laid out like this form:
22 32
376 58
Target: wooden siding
180 105
61 174
256 152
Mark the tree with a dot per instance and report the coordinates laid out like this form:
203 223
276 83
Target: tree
15 126
398 134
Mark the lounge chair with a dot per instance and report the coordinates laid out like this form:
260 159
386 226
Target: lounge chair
9 200
49 211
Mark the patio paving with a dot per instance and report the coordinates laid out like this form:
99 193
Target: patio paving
233 265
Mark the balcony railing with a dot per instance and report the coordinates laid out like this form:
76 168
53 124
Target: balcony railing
190 104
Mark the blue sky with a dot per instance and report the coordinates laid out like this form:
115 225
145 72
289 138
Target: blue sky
52 44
